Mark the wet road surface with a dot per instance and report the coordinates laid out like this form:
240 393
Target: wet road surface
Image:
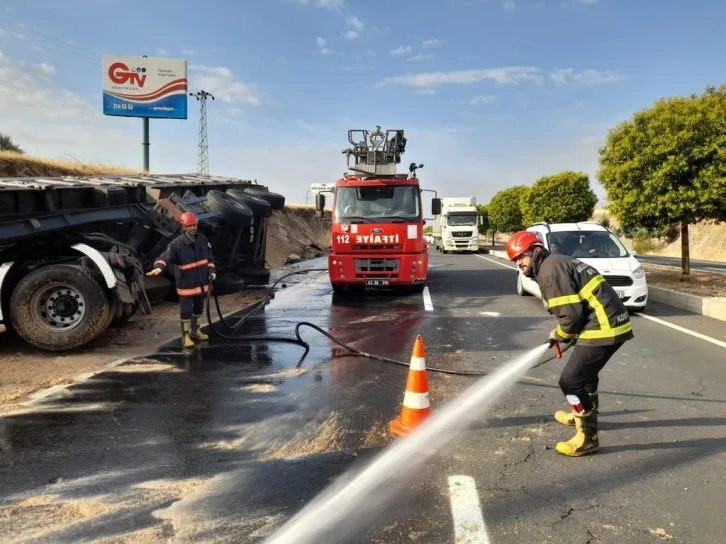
226 443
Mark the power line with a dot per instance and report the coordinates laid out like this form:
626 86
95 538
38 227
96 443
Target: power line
203 146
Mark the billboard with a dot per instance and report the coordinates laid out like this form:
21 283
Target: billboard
145 87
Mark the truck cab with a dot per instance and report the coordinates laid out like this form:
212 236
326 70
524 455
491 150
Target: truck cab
456 229
377 217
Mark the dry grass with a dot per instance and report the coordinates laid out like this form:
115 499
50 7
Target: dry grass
17 165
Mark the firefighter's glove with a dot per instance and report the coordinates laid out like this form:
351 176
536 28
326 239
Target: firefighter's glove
212 276
154 272
553 336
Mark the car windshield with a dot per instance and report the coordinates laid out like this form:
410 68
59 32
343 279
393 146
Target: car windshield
461 220
374 203
587 244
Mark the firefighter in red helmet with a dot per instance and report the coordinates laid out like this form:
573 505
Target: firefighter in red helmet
588 310
191 252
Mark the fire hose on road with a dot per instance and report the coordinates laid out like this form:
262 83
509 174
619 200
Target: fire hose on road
232 333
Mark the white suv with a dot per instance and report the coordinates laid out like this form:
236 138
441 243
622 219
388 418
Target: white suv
599 247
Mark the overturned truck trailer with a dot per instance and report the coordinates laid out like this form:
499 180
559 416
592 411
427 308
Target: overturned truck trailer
74 250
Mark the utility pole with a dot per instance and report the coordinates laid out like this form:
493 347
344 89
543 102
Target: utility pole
203 148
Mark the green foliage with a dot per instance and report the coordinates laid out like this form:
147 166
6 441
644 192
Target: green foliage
428 230
505 209
644 246
484 214
7 144
667 165
561 198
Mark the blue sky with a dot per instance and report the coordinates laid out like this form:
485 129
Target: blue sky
491 93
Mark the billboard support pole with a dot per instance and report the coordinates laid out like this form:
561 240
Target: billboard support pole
145 143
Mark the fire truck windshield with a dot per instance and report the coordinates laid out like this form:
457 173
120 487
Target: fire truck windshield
379 204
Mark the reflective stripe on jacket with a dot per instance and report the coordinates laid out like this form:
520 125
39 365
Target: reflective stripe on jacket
193 260
585 304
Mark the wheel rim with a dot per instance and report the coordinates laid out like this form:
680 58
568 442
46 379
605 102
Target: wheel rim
58 307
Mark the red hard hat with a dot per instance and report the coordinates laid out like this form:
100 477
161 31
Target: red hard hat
188 219
520 242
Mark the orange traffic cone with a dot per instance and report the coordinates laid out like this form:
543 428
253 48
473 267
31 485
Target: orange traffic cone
416 406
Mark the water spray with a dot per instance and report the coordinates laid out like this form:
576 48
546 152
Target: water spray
343 508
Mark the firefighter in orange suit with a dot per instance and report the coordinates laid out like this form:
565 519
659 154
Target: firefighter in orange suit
191 252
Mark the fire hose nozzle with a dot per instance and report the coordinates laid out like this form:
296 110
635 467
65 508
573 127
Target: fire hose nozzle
555 344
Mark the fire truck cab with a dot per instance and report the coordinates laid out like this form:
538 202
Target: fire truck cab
377 217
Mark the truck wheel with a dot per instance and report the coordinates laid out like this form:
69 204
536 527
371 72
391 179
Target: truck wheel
338 288
59 307
276 200
233 211
259 206
418 288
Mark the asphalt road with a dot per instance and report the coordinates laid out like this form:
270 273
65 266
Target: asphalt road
706 266
226 444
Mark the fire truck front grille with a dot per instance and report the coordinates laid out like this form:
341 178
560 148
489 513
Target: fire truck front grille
376 265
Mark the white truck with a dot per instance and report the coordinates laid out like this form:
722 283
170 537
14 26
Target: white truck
457 227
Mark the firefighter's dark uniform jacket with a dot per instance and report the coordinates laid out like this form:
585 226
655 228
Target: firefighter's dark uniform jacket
586 306
193 260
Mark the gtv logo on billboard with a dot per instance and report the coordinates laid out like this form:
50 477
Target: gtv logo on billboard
121 74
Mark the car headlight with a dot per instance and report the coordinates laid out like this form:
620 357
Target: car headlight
639 273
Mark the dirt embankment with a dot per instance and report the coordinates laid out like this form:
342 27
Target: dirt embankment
23 369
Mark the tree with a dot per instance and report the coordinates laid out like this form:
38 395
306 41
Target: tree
668 165
561 198
484 214
7 144
505 209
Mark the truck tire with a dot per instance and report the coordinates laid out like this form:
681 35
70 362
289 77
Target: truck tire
59 307
276 200
233 211
259 206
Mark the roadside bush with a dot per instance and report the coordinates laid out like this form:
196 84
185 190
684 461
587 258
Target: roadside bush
644 246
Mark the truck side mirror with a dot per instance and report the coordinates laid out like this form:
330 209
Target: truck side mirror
436 206
320 204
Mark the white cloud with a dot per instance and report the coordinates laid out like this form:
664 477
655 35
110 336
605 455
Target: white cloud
563 76
507 75
401 50
509 6
188 52
322 42
328 4
162 52
357 27
47 69
482 99
421 56
430 43
221 82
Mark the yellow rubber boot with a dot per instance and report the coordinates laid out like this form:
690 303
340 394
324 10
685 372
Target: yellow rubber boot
197 333
566 418
585 440
186 340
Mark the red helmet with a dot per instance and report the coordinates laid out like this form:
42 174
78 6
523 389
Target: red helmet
521 242
188 219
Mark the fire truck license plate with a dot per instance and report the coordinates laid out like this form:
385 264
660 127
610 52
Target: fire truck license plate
376 282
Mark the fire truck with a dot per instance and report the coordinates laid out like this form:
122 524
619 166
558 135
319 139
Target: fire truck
377 217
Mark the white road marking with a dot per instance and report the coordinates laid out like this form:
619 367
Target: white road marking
490 314
683 330
428 303
714 268
496 262
469 527
649 317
